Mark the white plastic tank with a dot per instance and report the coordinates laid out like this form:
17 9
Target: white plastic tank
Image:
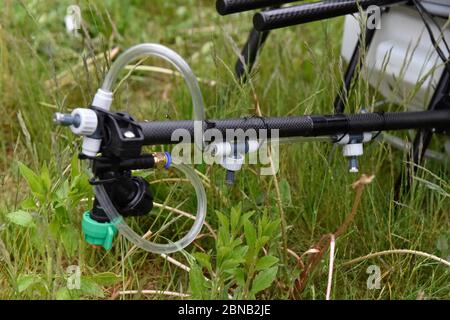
402 62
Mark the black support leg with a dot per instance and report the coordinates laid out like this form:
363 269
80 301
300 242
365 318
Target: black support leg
353 69
249 53
423 137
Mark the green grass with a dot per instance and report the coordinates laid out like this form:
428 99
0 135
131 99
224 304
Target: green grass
297 73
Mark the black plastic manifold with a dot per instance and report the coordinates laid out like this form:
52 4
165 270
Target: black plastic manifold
225 7
294 15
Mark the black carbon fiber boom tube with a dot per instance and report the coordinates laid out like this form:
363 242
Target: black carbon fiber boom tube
225 7
160 132
289 16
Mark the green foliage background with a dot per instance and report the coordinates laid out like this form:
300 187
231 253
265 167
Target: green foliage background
45 188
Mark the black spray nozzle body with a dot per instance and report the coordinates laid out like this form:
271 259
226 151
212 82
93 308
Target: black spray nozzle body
130 195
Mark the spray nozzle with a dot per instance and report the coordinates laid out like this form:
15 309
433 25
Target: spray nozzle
353 148
113 141
230 155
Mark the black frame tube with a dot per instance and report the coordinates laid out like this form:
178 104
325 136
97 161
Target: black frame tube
353 69
225 7
423 136
160 132
294 15
249 53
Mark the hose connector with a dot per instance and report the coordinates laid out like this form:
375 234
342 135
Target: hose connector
162 160
87 121
82 121
103 99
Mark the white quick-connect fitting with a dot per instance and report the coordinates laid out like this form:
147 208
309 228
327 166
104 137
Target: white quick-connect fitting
353 150
233 163
103 99
91 146
230 155
353 147
220 150
87 121
223 149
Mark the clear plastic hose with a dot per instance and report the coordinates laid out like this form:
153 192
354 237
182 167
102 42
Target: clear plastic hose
128 233
152 49
171 56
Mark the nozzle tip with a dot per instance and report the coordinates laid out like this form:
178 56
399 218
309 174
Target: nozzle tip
64 119
229 178
58 117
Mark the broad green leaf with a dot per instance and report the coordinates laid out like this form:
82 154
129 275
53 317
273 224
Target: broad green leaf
45 178
239 252
25 281
246 216
66 294
197 282
33 180
63 191
230 264
91 288
223 251
223 237
240 276
265 262
79 188
264 279
234 219
62 215
28 204
223 220
204 259
271 228
235 243
250 233
262 241
21 218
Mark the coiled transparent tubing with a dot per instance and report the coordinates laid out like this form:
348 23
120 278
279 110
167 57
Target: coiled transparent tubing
133 53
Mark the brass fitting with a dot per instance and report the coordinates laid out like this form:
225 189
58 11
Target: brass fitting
161 160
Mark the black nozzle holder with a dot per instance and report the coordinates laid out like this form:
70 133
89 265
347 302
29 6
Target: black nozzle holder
225 7
294 15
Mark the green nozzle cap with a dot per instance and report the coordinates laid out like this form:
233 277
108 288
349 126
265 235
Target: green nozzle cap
97 233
